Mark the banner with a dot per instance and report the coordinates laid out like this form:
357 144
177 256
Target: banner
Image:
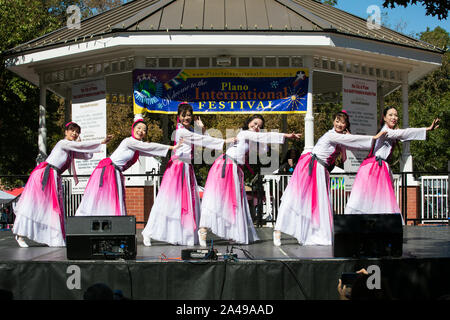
359 99
221 91
89 112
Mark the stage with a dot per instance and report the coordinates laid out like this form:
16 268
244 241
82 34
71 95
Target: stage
261 271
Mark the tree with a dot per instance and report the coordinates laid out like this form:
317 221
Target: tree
428 98
22 21
437 8
330 2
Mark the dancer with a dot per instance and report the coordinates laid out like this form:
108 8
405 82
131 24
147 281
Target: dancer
373 191
40 210
105 190
305 211
175 213
225 207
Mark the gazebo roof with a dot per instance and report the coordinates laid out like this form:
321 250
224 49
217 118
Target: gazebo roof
225 16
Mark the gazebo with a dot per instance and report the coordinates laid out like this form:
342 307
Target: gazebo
163 34
328 42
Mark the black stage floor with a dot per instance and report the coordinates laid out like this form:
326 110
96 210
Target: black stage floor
260 272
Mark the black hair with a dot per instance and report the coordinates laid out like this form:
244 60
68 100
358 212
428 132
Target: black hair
385 110
183 108
288 155
250 119
98 291
139 121
343 115
72 126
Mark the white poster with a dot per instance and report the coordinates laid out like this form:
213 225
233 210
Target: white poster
89 111
359 99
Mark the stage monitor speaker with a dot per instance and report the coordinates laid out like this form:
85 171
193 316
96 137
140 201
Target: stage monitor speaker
101 237
367 235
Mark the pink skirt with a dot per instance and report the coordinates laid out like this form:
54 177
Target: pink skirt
40 212
373 190
225 208
104 194
305 210
176 210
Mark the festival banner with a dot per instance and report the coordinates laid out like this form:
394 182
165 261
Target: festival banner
359 99
221 91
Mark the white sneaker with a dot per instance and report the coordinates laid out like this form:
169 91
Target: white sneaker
202 238
147 241
21 242
277 238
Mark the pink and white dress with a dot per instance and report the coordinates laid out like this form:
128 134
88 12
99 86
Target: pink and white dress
373 188
305 211
105 190
225 209
40 209
175 213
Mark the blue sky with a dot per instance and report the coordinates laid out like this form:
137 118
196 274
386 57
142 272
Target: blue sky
411 19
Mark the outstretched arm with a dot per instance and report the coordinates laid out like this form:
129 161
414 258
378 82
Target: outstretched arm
434 125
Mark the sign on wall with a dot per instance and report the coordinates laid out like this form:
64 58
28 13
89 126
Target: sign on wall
359 99
221 90
89 112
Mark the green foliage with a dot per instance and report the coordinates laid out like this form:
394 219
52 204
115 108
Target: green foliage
330 2
20 22
437 8
428 98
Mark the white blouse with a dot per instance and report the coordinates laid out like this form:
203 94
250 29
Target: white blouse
332 143
80 150
239 149
191 138
384 145
125 151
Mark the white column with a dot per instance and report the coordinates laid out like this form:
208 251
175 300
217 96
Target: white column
309 117
380 97
42 130
139 63
68 106
406 161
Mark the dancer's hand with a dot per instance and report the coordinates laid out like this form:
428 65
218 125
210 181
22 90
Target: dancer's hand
107 139
175 147
343 291
231 140
198 123
434 125
379 135
292 135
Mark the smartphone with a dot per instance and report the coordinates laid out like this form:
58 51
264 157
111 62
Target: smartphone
348 278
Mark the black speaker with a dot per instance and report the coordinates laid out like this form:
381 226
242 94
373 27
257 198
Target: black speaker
101 238
367 235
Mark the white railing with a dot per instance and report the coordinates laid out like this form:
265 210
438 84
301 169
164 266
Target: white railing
434 194
73 199
340 187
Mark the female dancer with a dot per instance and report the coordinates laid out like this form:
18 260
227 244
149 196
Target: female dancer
40 210
105 190
176 210
225 207
305 211
373 190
